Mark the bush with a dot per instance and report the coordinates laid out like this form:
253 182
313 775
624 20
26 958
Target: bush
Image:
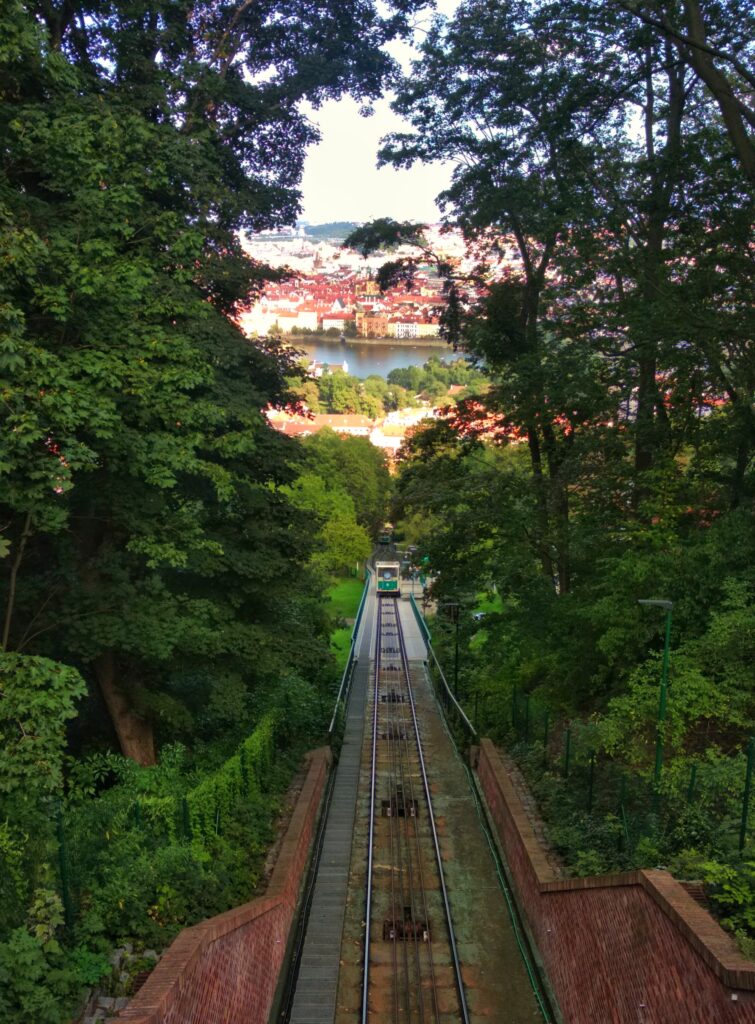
40 980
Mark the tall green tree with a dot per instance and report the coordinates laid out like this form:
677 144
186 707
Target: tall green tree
537 105
139 478
715 40
359 469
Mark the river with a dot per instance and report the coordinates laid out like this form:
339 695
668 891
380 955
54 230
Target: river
372 357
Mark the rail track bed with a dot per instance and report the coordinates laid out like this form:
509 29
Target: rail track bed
412 971
433 920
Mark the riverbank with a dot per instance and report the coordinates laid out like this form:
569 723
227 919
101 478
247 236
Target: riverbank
365 357
298 339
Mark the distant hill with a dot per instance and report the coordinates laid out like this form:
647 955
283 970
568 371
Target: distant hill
333 231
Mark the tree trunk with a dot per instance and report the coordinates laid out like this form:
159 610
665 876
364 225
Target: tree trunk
16 565
543 526
561 522
664 169
743 417
720 87
135 733
644 443
551 498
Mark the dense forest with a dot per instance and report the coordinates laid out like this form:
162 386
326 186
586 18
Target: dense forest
606 151
163 553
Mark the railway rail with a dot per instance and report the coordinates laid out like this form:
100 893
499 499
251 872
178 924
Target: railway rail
412 971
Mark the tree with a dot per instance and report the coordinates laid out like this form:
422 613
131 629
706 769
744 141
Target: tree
715 41
136 144
536 106
38 698
343 542
359 469
408 377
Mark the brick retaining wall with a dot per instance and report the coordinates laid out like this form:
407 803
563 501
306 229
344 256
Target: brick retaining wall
631 948
225 970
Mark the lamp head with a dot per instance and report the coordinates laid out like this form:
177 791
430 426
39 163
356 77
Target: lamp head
666 605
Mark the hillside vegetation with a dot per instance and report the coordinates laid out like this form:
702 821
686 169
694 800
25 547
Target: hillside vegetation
613 461
406 387
164 554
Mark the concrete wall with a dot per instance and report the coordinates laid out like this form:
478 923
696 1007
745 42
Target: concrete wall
226 969
630 948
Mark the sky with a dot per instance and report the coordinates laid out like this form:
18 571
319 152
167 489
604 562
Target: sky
341 180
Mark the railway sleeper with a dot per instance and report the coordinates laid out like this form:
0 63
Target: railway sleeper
398 807
409 928
393 697
394 732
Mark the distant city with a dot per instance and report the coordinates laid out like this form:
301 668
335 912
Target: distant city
333 291
386 432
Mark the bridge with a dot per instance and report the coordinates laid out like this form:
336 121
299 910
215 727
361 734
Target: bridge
427 898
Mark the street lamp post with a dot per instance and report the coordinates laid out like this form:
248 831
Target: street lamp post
456 654
453 607
667 607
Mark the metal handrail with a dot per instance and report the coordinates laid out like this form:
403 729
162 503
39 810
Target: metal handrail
345 678
371 836
362 602
352 659
450 695
420 620
452 698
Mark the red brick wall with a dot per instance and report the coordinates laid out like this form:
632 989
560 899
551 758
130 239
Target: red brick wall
632 948
225 970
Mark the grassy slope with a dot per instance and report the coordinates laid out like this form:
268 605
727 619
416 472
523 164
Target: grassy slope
488 603
344 596
343 601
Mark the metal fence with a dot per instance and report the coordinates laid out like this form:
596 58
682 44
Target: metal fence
97 836
337 719
718 790
700 794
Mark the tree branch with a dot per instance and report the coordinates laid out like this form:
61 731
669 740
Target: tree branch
676 37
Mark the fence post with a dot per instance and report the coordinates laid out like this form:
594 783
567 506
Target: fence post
590 782
65 877
625 826
746 796
567 752
244 770
513 709
545 737
692 780
622 801
526 718
138 814
476 699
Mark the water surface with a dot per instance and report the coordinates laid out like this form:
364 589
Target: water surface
375 357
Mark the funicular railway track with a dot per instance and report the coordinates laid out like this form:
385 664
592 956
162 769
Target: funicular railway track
412 973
